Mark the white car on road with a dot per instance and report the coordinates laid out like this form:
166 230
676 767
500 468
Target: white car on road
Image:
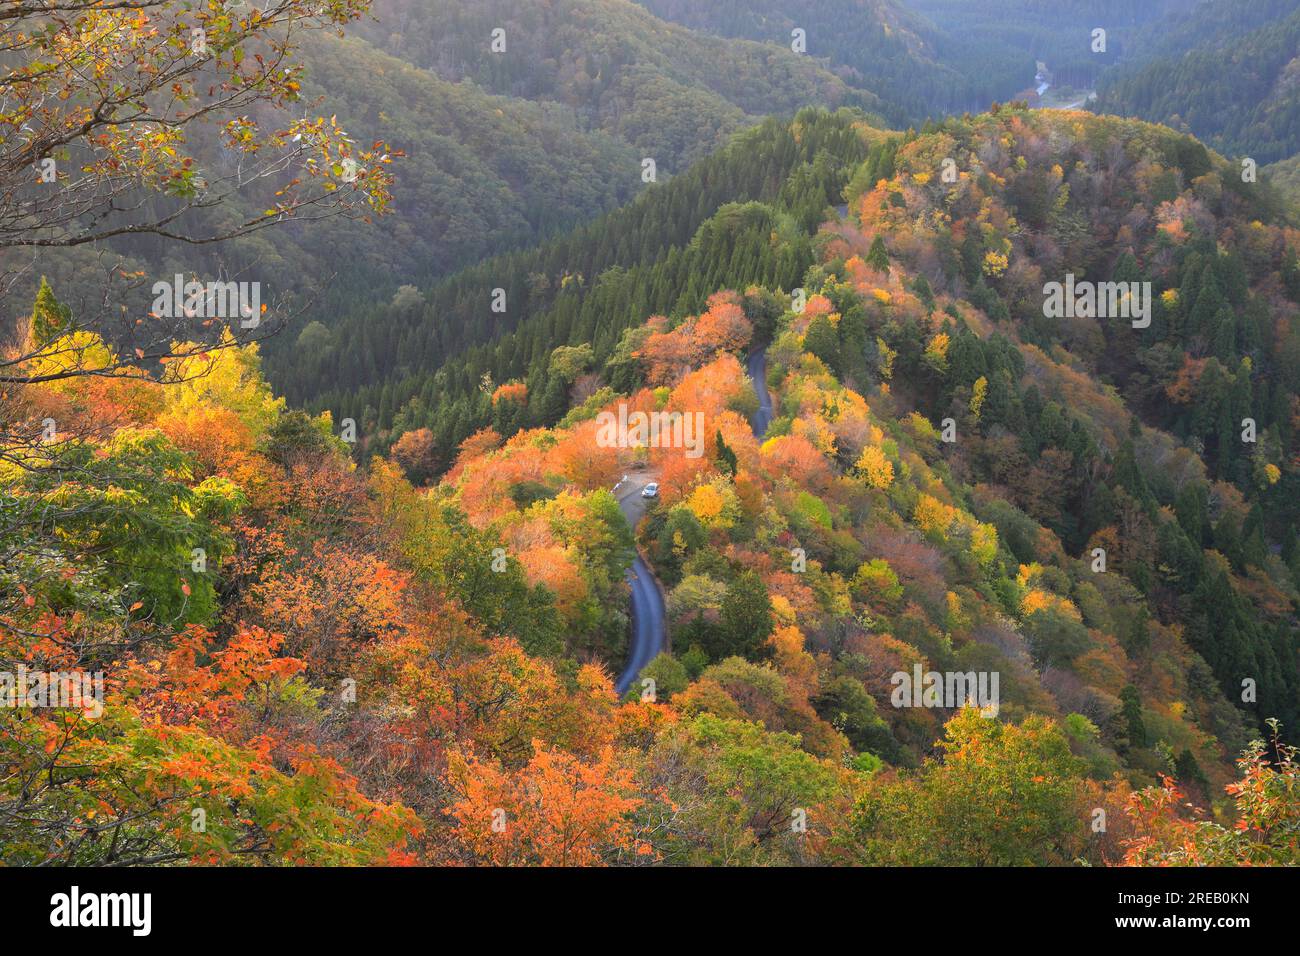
651 490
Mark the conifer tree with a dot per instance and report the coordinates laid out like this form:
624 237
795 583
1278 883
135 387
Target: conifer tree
50 317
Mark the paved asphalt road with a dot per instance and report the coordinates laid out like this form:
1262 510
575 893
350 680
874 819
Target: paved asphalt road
756 365
649 618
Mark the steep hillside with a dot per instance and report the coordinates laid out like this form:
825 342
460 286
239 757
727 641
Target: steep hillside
875 44
1068 516
928 58
1070 411
1239 93
421 362
1108 436
673 94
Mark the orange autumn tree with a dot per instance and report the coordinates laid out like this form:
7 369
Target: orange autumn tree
510 391
711 388
328 601
557 811
794 458
722 327
415 451
177 767
581 458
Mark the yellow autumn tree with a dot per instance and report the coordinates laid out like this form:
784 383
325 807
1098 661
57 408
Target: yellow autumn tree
887 356
984 543
936 352
933 516
876 469
979 391
714 504
227 377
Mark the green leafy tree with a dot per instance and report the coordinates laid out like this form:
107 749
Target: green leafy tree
738 787
999 795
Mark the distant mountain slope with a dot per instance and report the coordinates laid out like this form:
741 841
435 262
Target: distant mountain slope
504 149
1210 23
674 94
1241 94
481 173
931 57
1285 176
501 150
876 44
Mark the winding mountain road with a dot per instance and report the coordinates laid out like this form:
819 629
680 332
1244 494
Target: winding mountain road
649 615
756 365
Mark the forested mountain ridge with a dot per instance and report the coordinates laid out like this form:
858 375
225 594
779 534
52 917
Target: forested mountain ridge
422 360
998 564
877 44
1239 93
389 657
951 461
1204 355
